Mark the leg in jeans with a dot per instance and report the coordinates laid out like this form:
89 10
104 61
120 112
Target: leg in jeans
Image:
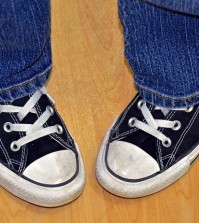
162 48
39 160
155 140
186 6
25 49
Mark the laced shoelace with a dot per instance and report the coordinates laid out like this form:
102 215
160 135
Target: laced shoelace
32 131
151 126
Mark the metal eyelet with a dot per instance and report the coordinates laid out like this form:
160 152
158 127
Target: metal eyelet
7 127
50 109
59 129
132 122
166 142
14 147
141 103
189 109
176 125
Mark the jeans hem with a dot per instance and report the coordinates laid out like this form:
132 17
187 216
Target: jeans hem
26 88
161 100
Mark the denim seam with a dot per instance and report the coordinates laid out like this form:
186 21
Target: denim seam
166 97
179 11
28 82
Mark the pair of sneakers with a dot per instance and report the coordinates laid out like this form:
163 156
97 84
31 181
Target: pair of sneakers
145 150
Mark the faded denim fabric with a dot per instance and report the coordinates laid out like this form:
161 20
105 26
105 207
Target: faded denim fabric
187 6
25 52
162 47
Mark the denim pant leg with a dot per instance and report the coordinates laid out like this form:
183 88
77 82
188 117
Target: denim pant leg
25 51
186 6
162 47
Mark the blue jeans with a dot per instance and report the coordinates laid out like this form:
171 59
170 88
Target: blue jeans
25 51
161 45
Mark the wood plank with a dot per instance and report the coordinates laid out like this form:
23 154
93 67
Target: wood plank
91 84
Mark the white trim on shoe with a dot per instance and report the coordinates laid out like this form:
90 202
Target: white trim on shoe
145 187
40 195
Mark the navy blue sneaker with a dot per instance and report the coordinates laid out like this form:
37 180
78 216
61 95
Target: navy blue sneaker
39 160
148 148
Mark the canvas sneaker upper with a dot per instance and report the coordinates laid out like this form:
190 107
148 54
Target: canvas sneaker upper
145 142
35 143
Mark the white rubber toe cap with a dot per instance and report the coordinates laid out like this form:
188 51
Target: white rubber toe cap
129 161
54 168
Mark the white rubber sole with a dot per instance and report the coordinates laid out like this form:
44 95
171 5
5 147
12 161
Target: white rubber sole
142 188
40 195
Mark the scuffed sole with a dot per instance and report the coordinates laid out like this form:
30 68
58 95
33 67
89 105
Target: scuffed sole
141 188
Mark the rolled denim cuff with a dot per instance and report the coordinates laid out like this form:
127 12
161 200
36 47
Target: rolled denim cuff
162 100
185 6
25 88
29 80
25 48
162 49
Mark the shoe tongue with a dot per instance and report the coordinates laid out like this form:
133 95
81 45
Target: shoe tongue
31 117
17 102
165 111
20 102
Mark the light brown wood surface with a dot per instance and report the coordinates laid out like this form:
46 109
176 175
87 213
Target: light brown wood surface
91 84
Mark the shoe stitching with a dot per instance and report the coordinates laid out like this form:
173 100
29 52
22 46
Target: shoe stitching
159 153
20 135
23 147
131 130
117 133
25 152
15 161
134 129
125 113
182 137
158 141
125 133
25 160
166 157
53 136
5 154
67 133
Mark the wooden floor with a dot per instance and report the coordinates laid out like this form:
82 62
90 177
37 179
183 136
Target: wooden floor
91 84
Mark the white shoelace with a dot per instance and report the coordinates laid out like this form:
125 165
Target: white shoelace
151 126
33 131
